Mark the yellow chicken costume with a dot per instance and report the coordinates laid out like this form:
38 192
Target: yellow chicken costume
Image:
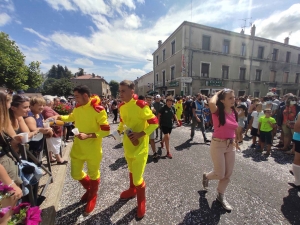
137 116
89 118
179 109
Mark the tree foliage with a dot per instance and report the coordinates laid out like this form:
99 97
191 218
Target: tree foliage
58 72
80 72
114 87
59 87
14 73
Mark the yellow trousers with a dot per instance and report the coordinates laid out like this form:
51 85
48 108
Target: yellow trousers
93 166
178 114
136 166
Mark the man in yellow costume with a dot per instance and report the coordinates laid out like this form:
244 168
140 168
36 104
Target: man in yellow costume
137 122
179 109
91 120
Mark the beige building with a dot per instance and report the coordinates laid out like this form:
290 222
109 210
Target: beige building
98 85
144 84
198 58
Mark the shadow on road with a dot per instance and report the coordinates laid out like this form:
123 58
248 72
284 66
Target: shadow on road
119 163
278 156
104 217
205 214
187 145
281 157
120 145
290 207
70 214
254 154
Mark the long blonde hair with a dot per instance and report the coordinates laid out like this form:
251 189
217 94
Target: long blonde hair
4 115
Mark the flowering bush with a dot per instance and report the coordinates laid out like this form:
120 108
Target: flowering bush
23 213
62 109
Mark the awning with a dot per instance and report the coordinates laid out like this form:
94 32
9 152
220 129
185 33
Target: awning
151 92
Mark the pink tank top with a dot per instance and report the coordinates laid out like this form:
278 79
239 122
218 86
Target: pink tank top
228 130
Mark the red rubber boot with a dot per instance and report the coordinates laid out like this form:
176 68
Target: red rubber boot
141 200
85 182
92 196
131 192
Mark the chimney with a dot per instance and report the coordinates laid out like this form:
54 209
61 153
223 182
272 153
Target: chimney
242 31
253 28
286 40
159 43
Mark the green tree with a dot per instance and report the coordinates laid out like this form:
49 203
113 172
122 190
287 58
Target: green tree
14 73
114 87
58 72
80 72
59 87
34 75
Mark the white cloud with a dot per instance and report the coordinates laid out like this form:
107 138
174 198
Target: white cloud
61 4
83 61
129 74
118 3
36 33
114 41
4 19
92 6
280 25
7 5
120 35
132 21
38 53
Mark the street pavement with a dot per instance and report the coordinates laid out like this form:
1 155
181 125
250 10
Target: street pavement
259 189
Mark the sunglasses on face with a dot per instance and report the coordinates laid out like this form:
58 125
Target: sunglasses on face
267 111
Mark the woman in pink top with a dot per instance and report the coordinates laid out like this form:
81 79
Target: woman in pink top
223 143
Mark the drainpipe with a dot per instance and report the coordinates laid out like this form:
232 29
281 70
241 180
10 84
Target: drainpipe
250 69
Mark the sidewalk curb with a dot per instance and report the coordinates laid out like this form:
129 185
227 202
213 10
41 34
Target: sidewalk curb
49 213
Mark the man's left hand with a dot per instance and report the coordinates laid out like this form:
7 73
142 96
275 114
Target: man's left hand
136 135
82 136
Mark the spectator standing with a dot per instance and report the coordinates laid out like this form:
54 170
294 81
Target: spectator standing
296 162
198 117
166 116
158 104
35 122
188 110
114 108
151 136
255 115
54 142
266 125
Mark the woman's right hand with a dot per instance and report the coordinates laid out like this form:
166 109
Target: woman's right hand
44 130
17 192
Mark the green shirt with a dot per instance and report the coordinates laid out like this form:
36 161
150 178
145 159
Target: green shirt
166 116
264 125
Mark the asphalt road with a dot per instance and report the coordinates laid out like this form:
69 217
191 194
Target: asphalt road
259 189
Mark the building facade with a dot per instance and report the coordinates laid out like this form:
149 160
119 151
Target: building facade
144 84
197 58
98 85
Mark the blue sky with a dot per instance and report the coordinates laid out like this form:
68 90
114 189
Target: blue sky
114 38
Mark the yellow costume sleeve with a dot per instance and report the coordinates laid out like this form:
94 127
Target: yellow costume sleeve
103 123
121 126
148 115
68 118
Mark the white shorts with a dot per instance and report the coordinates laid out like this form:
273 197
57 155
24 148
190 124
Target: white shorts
151 136
54 144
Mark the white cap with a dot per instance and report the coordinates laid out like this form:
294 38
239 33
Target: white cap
157 96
